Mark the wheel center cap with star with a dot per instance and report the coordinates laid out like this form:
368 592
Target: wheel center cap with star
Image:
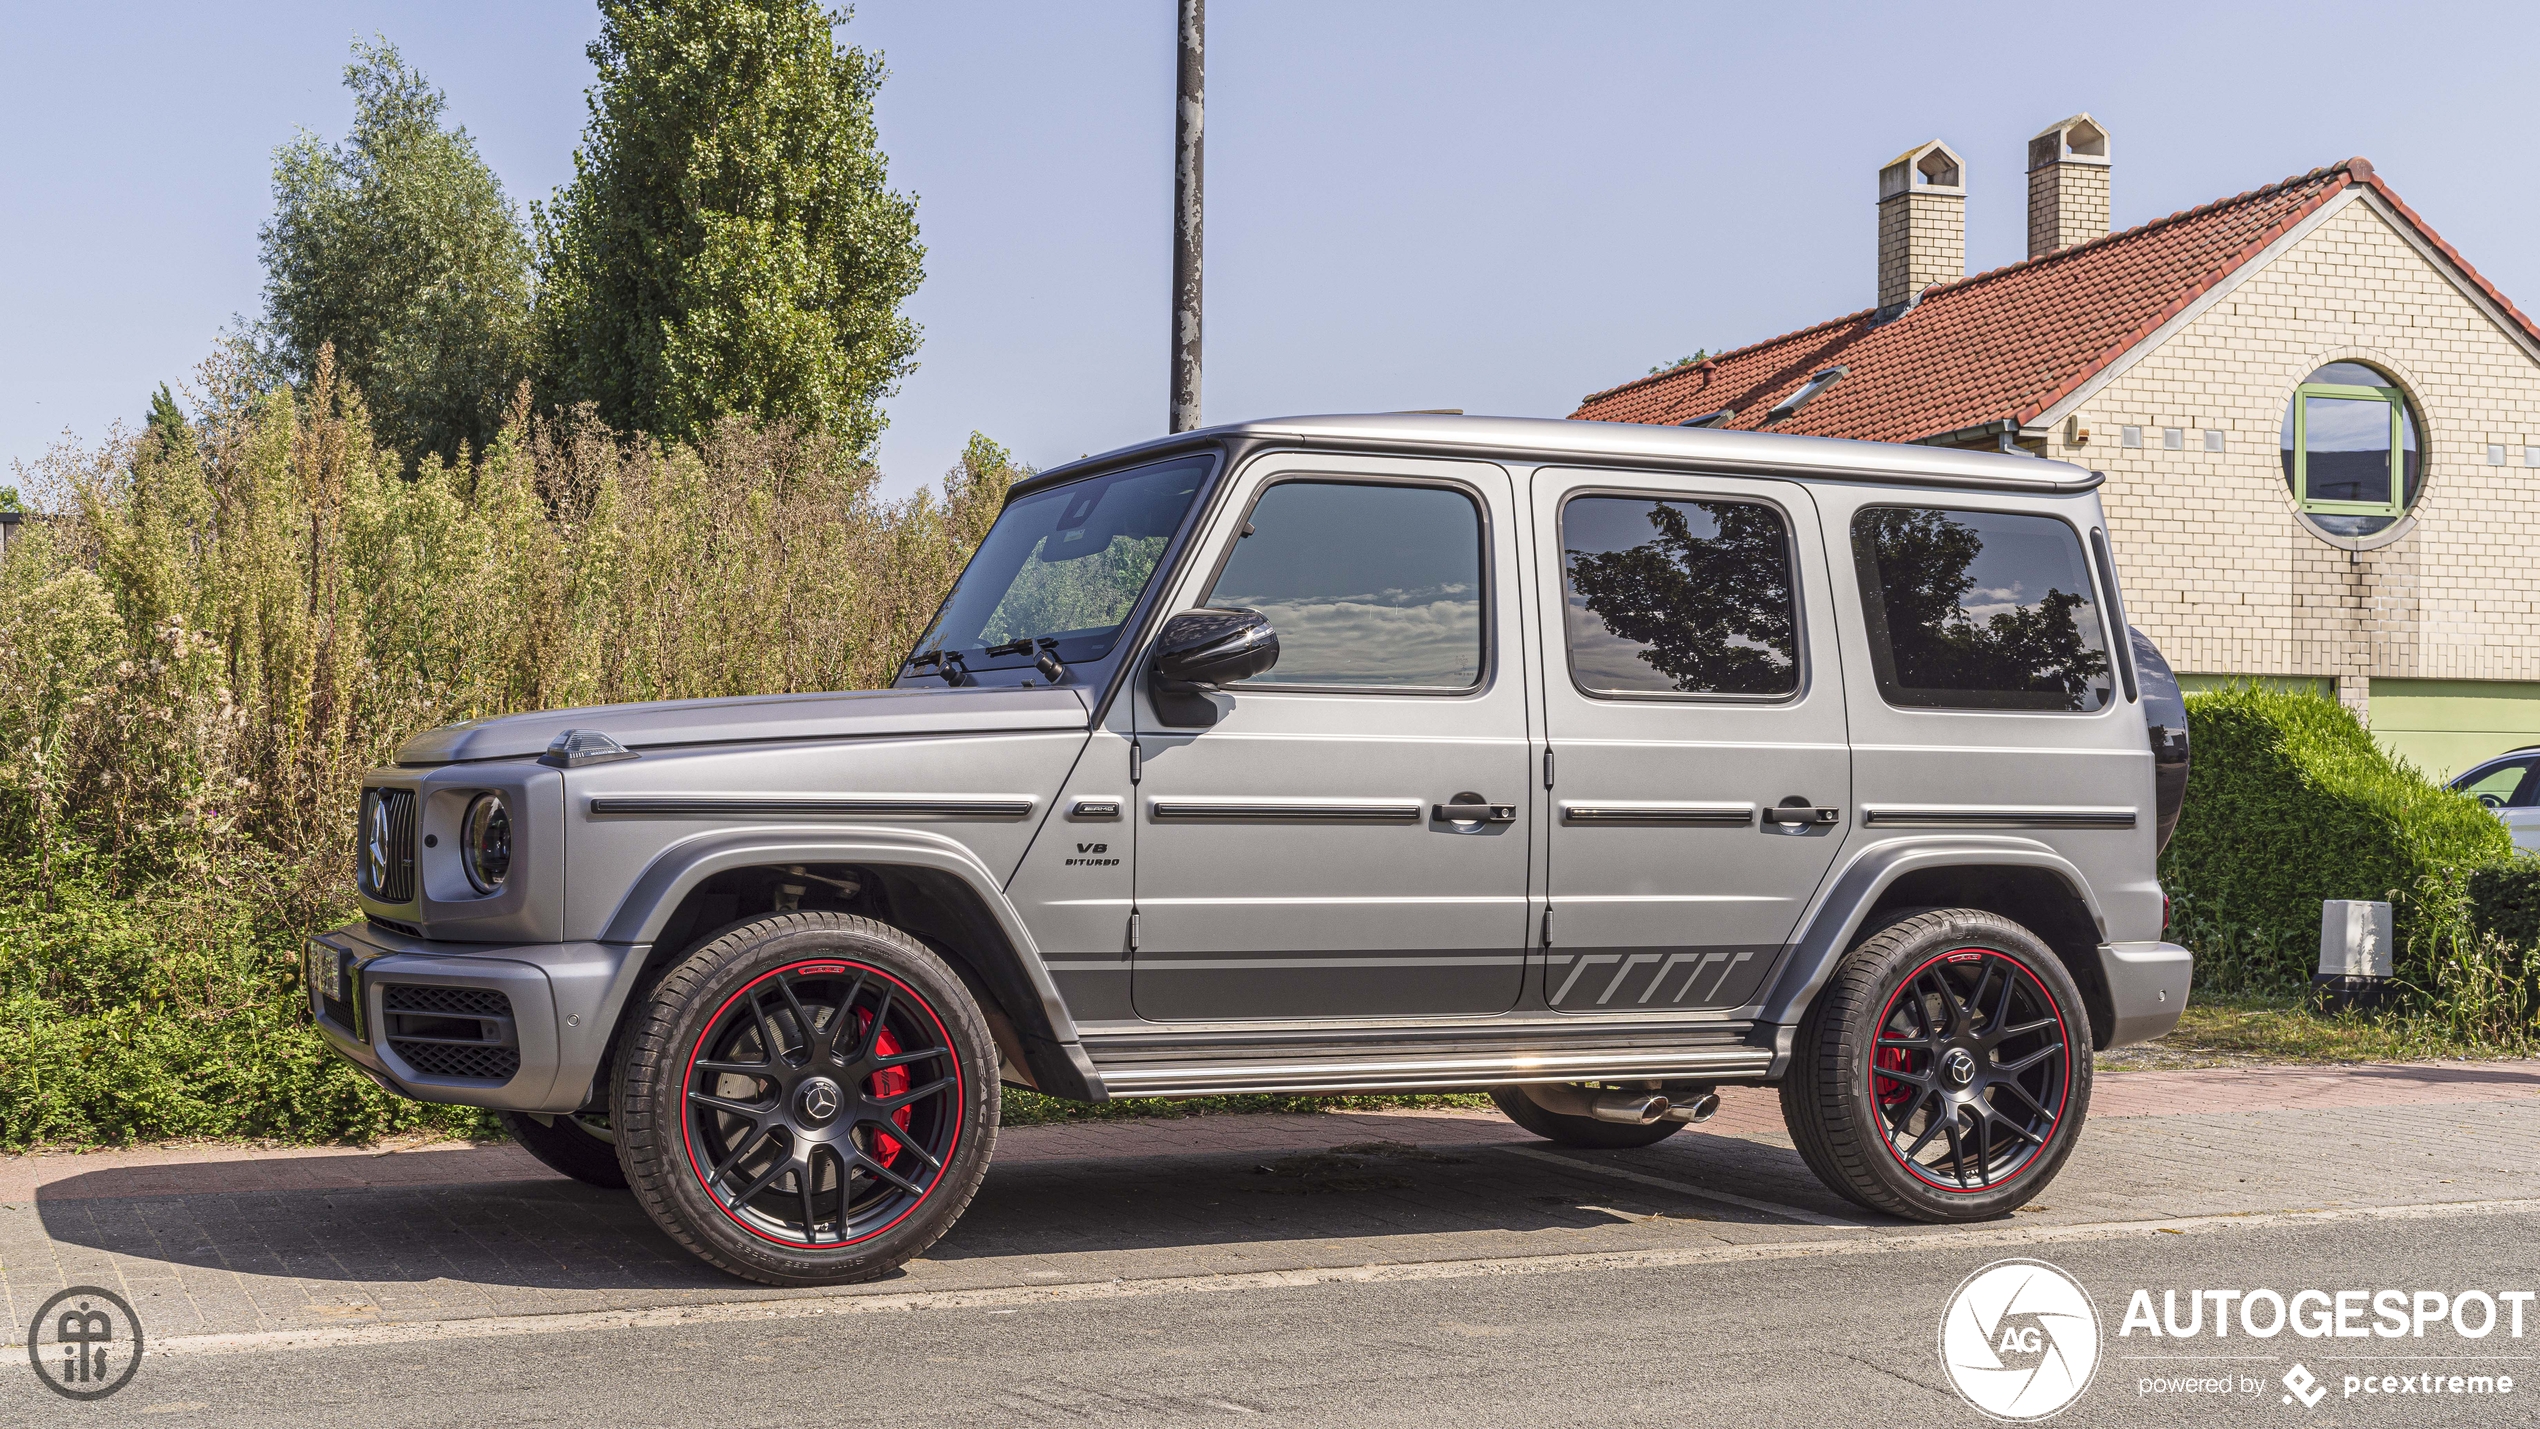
818 1100
1957 1066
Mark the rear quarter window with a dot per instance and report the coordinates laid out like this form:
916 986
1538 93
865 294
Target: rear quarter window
1979 610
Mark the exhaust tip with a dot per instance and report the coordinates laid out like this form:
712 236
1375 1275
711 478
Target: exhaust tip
1629 1108
1698 1109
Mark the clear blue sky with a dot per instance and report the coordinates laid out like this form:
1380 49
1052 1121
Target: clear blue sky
1498 207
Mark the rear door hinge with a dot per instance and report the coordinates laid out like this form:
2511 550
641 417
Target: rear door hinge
1133 930
1547 766
1547 926
1137 762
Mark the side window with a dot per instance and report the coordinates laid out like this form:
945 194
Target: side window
2497 785
1679 597
1979 610
1369 586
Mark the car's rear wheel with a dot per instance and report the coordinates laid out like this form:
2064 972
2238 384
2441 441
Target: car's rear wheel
1943 1073
809 1099
572 1144
1581 1131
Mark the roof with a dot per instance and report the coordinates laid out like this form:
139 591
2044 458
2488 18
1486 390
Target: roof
1549 440
2002 345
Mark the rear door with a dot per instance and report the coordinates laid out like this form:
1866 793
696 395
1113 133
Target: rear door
1699 767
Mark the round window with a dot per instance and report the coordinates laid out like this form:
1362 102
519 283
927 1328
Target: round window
2350 450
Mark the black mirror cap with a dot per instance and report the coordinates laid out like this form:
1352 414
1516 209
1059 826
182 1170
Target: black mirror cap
2165 719
1209 648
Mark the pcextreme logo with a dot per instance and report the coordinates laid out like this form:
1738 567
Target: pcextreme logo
2020 1340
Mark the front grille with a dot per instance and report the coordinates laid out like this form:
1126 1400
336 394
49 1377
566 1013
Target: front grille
452 1031
387 852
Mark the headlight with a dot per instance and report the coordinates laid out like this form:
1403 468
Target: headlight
485 842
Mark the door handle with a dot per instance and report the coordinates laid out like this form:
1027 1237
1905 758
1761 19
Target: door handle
1474 812
1795 812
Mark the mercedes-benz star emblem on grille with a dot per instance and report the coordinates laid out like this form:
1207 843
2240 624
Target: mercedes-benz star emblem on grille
375 846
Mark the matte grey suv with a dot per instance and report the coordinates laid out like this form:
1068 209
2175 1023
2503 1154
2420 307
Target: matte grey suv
1593 765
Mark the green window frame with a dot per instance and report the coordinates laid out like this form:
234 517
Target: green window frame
2388 396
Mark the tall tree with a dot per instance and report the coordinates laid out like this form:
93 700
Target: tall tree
398 245
727 244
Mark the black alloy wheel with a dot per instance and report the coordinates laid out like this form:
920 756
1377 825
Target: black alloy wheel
810 1099
1943 1072
823 1103
1973 1067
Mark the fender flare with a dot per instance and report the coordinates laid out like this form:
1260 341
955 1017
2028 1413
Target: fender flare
678 868
1835 921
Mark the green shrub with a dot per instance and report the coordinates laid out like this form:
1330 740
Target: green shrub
168 1014
2290 802
2504 901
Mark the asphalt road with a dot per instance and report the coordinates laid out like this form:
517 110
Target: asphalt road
1810 1333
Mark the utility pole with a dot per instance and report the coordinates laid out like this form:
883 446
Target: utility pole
1184 414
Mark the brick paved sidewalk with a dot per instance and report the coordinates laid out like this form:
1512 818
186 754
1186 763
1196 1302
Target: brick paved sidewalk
212 1239
1744 1112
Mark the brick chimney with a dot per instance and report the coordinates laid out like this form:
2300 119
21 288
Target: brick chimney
2067 185
1922 222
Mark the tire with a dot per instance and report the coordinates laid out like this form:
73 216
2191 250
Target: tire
1943 1073
566 1145
1585 1132
851 1144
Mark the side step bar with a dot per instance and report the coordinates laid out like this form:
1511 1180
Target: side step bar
1210 1072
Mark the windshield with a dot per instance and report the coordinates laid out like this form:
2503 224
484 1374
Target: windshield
1062 568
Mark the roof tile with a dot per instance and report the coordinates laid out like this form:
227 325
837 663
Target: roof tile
2006 344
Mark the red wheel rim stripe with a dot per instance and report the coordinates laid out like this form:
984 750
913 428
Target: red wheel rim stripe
687 1141
2063 1092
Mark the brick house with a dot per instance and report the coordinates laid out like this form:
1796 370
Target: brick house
2317 421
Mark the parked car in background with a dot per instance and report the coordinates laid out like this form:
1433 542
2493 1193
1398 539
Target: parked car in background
2509 786
1593 765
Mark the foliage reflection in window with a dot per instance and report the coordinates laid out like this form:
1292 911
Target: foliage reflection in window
1679 597
1979 610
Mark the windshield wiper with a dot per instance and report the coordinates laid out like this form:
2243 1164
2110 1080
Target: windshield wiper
1050 666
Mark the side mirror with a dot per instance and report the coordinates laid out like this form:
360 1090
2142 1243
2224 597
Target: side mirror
1200 650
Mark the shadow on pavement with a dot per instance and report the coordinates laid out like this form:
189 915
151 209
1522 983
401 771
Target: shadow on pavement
433 1216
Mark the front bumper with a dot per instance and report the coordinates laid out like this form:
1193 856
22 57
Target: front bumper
2147 988
515 1028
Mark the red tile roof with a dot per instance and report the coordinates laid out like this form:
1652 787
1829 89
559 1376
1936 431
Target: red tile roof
2007 344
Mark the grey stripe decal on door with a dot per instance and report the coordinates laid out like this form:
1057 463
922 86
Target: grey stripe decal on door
1314 811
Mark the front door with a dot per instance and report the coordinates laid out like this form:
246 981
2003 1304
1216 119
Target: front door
1700 768
1322 850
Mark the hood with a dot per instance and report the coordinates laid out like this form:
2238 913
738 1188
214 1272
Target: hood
861 714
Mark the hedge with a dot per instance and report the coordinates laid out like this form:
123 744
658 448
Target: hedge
2291 802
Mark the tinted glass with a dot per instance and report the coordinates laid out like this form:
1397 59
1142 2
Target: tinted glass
2496 785
1679 597
1066 564
1368 586
1979 610
2348 445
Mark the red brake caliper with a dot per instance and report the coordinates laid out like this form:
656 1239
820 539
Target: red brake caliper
889 1082
1888 1090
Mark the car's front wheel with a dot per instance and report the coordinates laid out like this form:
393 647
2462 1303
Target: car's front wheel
1944 1071
809 1099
